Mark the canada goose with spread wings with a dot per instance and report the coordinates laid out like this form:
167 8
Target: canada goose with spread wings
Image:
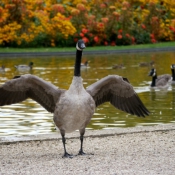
73 108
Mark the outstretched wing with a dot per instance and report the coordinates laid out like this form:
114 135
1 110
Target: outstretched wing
29 86
119 92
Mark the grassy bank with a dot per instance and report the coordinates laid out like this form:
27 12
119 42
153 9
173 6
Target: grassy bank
95 48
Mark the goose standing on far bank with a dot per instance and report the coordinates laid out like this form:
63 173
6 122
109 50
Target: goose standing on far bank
24 67
73 108
160 82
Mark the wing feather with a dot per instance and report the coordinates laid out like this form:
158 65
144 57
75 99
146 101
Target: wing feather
119 92
29 86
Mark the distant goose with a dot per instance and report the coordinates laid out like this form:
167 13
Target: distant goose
118 66
85 64
2 68
73 108
24 67
172 80
144 64
160 82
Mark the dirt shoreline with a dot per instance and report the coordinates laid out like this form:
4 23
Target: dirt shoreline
139 150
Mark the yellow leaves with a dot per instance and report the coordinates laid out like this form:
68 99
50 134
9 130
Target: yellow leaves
145 11
8 32
25 20
25 37
75 12
58 8
36 18
112 7
52 43
62 25
19 42
81 7
162 25
172 23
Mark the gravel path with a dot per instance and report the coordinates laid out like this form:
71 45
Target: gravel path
144 150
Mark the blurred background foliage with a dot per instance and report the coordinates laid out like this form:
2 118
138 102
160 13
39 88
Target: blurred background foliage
60 23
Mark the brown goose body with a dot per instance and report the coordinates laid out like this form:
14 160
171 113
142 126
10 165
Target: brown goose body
73 108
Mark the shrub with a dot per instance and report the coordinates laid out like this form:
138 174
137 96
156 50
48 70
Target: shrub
28 23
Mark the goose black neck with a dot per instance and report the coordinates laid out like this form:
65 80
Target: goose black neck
78 63
173 74
153 84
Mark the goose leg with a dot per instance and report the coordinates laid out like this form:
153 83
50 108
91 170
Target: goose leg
66 155
81 139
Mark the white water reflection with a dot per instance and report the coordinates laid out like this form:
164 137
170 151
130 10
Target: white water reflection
28 117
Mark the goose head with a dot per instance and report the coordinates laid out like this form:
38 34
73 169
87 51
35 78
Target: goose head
173 66
80 45
31 64
152 73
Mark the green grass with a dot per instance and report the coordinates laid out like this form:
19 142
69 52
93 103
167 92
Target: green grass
95 48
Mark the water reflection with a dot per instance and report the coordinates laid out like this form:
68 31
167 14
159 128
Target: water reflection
29 117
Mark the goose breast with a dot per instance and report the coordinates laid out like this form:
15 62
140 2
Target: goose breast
75 108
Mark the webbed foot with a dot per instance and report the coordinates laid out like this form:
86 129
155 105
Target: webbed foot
67 155
81 153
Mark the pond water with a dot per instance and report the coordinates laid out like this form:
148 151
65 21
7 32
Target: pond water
29 117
